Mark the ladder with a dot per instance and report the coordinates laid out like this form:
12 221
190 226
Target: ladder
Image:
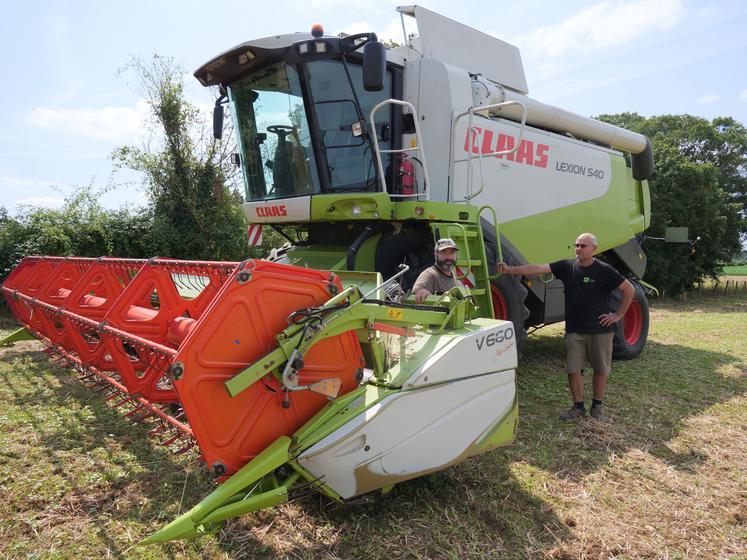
471 265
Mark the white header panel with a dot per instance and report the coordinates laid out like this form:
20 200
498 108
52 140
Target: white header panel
459 45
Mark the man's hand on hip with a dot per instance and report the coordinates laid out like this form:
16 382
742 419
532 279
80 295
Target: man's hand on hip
609 319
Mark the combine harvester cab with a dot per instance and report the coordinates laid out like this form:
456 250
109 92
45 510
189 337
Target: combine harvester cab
384 151
307 372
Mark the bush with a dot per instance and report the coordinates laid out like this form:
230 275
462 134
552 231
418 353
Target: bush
82 227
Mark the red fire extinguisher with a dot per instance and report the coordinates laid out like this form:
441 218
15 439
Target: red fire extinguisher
406 174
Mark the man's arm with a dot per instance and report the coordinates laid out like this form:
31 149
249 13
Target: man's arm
628 291
524 269
423 286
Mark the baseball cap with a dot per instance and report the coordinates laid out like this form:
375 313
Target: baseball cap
446 243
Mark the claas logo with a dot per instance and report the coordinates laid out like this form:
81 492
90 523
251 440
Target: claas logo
272 211
489 141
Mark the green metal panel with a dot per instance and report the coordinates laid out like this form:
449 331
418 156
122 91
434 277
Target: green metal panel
356 206
435 211
366 281
320 257
329 257
366 257
549 236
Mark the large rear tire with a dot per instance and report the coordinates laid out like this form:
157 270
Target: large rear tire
508 296
631 332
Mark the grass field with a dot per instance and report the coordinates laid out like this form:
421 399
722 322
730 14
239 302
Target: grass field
665 479
740 270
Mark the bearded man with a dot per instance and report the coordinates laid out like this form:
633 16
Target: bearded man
440 277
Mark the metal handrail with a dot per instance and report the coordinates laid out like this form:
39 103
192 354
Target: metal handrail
497 235
452 160
419 147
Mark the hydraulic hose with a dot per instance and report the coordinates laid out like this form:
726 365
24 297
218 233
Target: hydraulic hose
355 247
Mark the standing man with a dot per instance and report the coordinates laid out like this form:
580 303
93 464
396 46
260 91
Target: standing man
589 322
440 277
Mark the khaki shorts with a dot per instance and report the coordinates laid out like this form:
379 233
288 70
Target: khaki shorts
594 348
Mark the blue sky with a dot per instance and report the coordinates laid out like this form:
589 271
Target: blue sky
65 106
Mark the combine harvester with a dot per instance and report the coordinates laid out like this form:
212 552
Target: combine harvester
305 371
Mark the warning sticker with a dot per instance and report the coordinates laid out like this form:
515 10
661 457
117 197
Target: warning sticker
396 314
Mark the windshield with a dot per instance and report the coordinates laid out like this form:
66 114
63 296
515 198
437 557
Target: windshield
275 139
273 134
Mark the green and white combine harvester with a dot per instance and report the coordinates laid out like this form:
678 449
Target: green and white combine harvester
306 371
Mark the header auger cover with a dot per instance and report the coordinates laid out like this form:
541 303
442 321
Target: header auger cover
286 379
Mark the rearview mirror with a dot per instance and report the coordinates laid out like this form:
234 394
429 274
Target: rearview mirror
374 65
218 122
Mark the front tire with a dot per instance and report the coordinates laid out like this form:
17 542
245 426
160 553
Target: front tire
631 332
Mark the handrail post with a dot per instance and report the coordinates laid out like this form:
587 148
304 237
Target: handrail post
419 140
497 235
453 161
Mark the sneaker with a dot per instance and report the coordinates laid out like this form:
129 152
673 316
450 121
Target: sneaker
597 412
573 414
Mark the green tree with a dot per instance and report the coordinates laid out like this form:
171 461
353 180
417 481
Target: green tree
195 214
699 181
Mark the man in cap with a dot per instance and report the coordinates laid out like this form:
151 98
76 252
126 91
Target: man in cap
440 277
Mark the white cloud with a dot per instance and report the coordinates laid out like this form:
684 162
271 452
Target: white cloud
707 12
357 27
121 124
603 26
708 98
743 95
18 182
44 201
375 6
393 30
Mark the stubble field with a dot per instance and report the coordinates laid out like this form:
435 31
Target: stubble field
665 478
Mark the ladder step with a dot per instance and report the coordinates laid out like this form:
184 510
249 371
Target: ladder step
470 263
477 292
459 233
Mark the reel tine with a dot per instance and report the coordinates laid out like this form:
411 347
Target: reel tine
159 427
138 407
101 386
115 393
142 417
169 441
122 401
189 444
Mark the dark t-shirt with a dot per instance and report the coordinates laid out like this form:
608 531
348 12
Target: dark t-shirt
587 294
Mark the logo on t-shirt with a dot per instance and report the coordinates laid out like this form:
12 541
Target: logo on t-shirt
588 280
